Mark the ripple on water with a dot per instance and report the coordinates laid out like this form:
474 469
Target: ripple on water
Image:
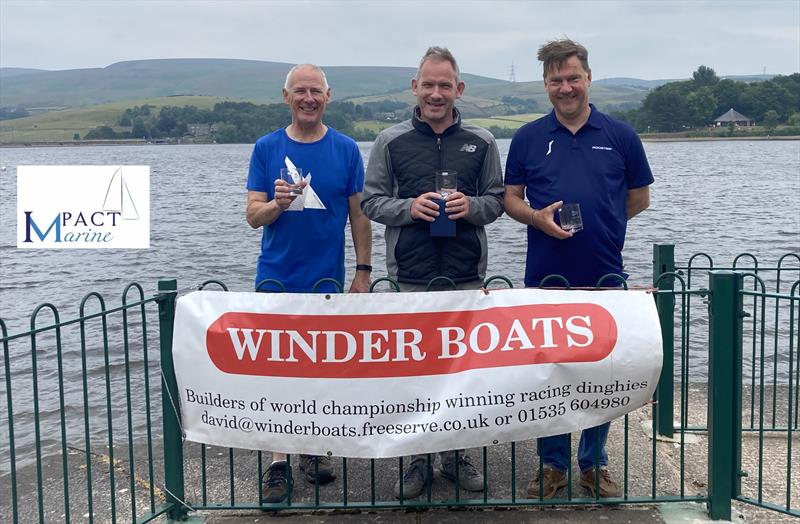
707 196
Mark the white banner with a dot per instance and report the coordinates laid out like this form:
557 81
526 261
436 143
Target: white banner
390 374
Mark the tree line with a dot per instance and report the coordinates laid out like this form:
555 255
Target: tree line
675 106
237 122
694 103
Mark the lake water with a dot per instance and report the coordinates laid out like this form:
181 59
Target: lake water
722 198
719 197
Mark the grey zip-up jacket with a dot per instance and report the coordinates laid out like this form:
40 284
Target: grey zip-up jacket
402 165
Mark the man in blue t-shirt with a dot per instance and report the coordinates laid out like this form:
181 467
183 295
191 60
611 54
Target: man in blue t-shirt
304 219
575 155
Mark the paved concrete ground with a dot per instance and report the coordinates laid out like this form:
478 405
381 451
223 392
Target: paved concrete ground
770 474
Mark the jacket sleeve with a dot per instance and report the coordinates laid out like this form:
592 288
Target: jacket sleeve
379 200
488 205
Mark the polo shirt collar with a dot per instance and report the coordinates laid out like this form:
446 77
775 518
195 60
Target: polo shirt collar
594 119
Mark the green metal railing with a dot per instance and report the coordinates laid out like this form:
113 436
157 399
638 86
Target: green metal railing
104 431
76 392
761 323
752 374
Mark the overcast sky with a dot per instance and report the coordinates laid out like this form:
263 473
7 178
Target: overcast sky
632 38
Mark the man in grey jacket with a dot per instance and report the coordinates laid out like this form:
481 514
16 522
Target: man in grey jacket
399 192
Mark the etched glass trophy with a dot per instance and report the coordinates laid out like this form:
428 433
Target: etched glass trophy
569 217
446 184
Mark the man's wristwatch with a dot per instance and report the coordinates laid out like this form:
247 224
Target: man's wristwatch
363 267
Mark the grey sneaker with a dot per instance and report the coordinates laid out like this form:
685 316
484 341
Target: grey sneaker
416 478
468 476
275 483
317 468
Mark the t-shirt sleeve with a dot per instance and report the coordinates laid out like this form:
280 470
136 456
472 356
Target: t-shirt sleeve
515 166
356 178
637 168
257 176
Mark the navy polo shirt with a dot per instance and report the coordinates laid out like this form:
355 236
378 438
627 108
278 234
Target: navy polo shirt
595 168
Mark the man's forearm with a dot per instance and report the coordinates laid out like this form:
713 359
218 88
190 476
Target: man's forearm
262 213
361 229
637 201
518 209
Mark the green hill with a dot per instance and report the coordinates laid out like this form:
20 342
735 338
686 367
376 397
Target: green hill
63 103
8 72
242 79
60 126
605 97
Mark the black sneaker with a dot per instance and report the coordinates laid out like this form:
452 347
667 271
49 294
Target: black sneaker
317 468
276 486
468 476
416 478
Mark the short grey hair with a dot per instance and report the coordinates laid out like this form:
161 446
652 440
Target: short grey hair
313 67
439 54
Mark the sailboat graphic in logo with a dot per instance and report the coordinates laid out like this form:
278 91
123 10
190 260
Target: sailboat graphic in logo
118 197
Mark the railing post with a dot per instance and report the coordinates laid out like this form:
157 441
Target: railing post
664 262
725 349
173 438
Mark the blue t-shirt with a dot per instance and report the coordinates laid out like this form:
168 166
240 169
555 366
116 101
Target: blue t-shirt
302 247
594 168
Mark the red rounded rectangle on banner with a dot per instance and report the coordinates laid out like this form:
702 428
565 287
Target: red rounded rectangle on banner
409 344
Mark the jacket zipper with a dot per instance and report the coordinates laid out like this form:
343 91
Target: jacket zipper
439 149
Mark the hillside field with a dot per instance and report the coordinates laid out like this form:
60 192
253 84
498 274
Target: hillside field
60 126
505 121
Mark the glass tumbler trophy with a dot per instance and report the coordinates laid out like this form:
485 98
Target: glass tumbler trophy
446 184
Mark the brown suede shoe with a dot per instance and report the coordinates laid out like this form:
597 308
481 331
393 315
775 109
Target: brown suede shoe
554 480
608 488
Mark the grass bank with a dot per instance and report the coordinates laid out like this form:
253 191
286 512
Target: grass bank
61 125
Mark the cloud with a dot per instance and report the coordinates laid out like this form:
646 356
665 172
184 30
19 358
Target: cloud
640 39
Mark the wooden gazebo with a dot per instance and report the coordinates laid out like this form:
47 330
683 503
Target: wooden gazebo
733 117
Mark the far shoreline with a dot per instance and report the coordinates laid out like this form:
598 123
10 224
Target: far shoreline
646 137
660 138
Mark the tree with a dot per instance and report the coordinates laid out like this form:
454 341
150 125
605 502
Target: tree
770 120
665 108
140 129
8 113
760 97
701 105
76 136
704 77
728 93
101 133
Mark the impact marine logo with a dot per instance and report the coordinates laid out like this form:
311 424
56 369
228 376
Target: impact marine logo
65 207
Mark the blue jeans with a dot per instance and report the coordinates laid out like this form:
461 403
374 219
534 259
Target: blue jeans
591 450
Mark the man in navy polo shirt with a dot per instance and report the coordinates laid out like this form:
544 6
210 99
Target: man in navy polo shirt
575 154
